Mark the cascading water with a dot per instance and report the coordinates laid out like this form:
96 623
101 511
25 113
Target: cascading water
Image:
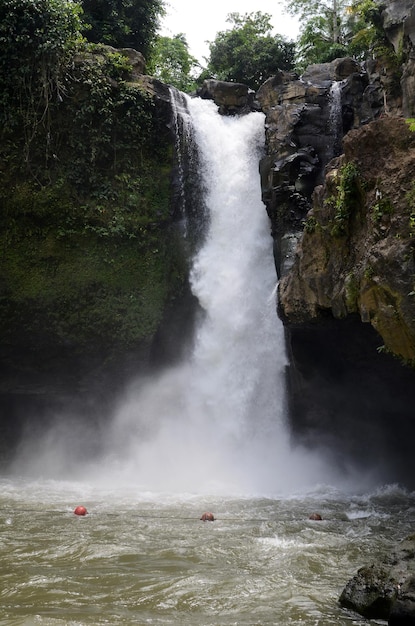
216 421
335 117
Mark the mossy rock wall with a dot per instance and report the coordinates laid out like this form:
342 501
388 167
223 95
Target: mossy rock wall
92 261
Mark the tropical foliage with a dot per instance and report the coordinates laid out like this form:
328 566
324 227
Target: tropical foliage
36 37
84 189
123 23
172 62
248 52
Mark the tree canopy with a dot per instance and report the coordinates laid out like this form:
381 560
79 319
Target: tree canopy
171 62
123 23
335 28
35 38
248 52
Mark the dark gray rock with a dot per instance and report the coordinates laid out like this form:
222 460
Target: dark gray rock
231 98
386 589
306 119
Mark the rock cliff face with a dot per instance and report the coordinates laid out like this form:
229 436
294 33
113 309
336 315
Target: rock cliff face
306 119
357 251
338 184
94 273
399 25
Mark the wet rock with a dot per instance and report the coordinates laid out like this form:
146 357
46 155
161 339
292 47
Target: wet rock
365 263
386 589
306 119
231 98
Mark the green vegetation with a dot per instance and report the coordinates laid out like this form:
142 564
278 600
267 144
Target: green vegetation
37 40
337 28
122 23
410 197
248 53
347 199
310 224
352 285
324 30
382 207
89 260
172 63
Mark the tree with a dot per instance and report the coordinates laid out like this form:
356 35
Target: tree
248 52
369 37
326 30
35 40
171 62
338 28
123 23
316 43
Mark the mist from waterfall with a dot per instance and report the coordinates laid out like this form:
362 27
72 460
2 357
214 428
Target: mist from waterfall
214 423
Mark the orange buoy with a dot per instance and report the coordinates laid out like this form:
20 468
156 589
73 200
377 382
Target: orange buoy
315 516
207 517
80 510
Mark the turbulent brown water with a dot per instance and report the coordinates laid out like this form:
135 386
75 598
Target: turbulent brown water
206 434
146 558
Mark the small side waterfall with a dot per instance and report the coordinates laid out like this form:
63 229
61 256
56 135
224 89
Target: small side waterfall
182 130
189 193
335 117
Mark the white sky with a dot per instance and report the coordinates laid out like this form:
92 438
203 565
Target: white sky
201 21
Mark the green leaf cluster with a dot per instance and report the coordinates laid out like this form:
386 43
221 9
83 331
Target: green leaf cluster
172 63
37 38
248 52
336 28
348 197
123 23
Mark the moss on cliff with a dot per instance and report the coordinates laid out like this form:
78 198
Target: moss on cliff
89 256
357 251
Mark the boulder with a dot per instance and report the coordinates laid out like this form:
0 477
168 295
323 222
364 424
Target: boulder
231 98
385 589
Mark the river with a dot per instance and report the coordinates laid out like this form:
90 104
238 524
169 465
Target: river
146 558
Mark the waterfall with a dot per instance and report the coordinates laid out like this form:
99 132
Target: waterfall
216 421
182 130
335 117
188 194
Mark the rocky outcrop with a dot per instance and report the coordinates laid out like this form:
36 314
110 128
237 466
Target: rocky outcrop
398 18
348 307
386 589
94 272
357 250
231 98
306 119
337 181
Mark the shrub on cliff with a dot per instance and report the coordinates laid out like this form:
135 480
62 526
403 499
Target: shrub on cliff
36 38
